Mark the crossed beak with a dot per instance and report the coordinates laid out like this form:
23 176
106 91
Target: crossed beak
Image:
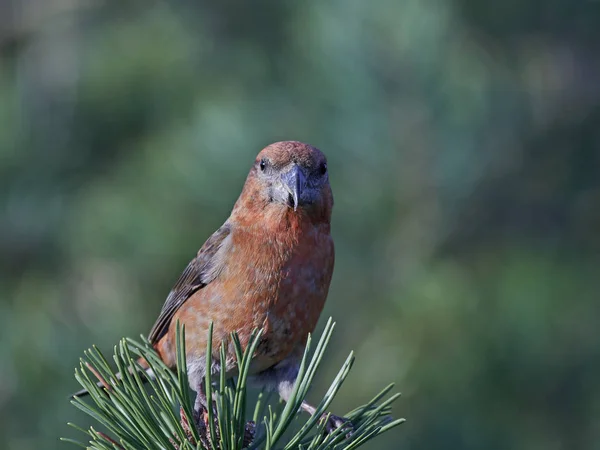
294 182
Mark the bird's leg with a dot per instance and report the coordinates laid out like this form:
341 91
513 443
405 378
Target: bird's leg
200 410
201 414
333 422
201 406
282 377
200 403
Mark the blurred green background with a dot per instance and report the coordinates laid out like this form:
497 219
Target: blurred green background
464 149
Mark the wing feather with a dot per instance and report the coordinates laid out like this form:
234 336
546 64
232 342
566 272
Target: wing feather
201 270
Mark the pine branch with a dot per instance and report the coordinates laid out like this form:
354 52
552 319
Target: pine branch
160 415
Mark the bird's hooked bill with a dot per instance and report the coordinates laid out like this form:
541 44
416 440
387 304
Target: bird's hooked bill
294 182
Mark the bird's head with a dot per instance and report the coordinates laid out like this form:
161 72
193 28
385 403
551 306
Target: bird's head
289 177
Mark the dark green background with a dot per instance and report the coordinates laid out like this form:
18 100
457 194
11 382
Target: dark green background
464 147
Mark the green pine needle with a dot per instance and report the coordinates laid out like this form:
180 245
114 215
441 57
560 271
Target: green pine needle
159 415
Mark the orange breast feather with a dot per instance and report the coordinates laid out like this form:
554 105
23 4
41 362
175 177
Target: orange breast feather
276 278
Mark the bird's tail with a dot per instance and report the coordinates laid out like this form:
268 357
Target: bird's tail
102 383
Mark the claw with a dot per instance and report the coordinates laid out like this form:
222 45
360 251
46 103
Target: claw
334 422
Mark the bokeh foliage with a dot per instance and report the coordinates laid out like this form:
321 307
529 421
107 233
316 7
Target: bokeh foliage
463 140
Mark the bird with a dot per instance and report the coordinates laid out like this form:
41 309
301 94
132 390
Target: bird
269 266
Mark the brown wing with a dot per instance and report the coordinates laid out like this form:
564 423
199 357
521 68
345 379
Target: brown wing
199 272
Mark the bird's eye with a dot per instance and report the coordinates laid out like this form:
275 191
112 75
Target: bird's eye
263 164
323 168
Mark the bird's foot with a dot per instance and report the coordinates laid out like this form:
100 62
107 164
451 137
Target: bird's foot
201 414
203 427
201 422
199 417
335 422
